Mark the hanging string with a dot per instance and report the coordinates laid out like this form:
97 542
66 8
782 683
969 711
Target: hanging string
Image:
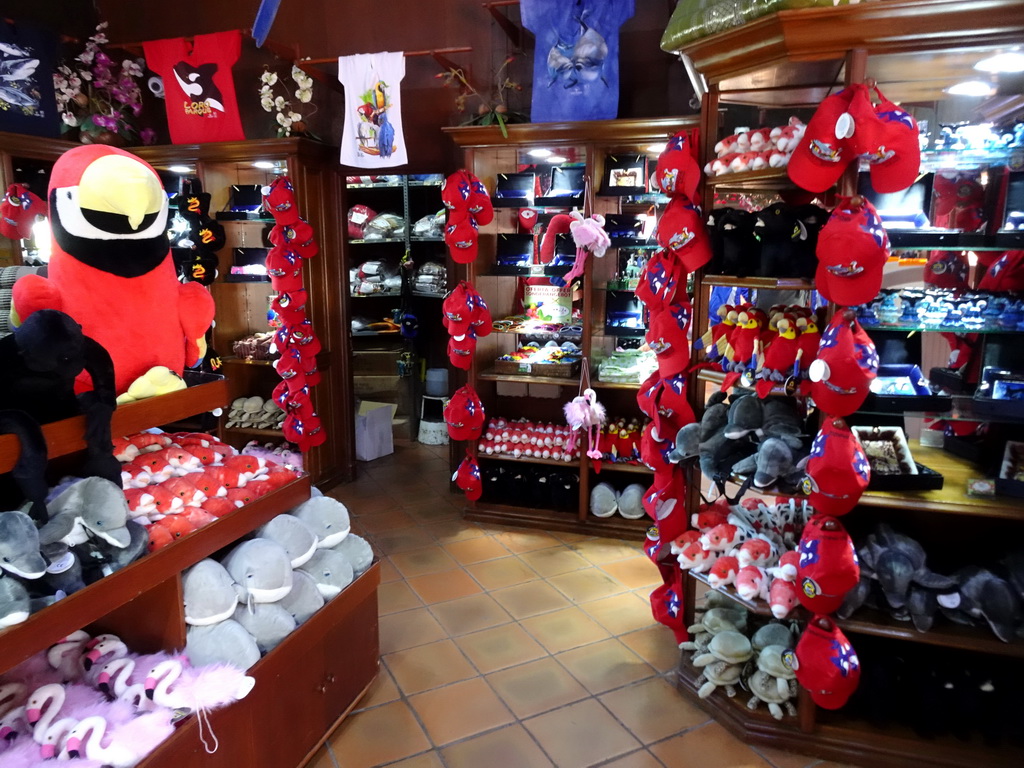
203 716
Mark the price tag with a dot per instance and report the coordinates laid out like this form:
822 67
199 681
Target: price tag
525 367
357 217
537 269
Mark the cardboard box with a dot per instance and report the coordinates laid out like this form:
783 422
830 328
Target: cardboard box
373 430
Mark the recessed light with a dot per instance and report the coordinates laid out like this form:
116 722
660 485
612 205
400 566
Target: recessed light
1010 61
179 169
556 159
971 88
541 153
656 149
265 165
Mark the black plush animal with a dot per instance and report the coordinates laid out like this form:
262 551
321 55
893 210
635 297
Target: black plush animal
38 366
739 249
781 233
814 218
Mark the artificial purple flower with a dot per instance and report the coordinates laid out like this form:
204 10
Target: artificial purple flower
148 136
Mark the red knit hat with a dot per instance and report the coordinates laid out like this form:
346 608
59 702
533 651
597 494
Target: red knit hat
852 250
828 567
825 663
838 471
464 414
467 478
846 364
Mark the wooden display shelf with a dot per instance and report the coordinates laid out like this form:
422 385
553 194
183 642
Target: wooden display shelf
833 736
637 469
555 520
492 375
245 361
614 385
255 431
111 592
68 436
319 695
763 283
871 622
769 178
574 464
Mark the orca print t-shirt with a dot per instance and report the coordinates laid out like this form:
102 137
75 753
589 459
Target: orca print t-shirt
27 102
198 85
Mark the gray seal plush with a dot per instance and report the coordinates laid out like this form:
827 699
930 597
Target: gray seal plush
268 623
19 546
223 643
211 595
262 568
92 507
331 571
328 518
305 599
358 552
294 535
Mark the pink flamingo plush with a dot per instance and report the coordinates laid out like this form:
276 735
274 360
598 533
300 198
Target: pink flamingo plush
28 754
13 724
584 412
171 684
125 678
12 695
120 746
50 702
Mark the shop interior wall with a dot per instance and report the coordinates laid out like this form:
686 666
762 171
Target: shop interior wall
652 83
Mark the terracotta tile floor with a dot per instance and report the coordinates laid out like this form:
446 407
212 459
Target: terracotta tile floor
514 648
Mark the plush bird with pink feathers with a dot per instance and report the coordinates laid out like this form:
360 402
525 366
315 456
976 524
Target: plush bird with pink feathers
585 413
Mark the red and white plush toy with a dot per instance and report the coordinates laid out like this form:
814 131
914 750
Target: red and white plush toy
111 268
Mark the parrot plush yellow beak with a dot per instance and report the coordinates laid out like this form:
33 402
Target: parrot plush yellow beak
121 185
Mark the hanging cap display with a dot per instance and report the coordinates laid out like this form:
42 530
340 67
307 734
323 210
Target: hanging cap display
825 663
896 158
661 279
678 172
455 192
852 250
461 349
828 566
464 414
479 202
667 336
457 312
460 234
838 471
1005 274
846 364
681 230
842 128
467 478
18 212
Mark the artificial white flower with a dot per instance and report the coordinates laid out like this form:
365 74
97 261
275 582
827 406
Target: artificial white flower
69 119
294 117
268 77
305 95
267 103
280 103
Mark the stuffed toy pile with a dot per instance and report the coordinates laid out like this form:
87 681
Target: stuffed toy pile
116 278
294 242
756 150
519 437
255 413
175 483
606 501
533 485
684 247
374 277
731 650
256 595
95 701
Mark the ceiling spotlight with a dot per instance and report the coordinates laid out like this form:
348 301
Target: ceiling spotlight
540 153
1011 61
656 149
179 169
264 165
556 159
971 88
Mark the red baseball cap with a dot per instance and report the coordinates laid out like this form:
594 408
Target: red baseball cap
645 395
667 606
846 364
661 279
359 216
1005 274
284 267
467 478
837 469
843 127
461 349
672 411
947 269
663 503
480 314
896 157
682 231
852 250
456 309
828 566
655 447
825 663
298 236
678 172
455 191
667 336
480 205
527 219
279 199
464 414
18 212
461 235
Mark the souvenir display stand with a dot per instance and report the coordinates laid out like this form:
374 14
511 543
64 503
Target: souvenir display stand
590 150
325 666
759 74
242 306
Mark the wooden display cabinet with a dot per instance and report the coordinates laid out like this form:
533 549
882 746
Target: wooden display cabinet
759 74
242 306
488 153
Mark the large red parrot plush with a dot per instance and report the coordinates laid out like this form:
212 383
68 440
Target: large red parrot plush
111 267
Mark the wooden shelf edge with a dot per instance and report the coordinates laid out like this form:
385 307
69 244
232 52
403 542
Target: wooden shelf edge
553 520
604 131
100 598
67 436
491 375
575 464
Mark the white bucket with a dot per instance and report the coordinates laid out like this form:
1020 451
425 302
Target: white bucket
437 382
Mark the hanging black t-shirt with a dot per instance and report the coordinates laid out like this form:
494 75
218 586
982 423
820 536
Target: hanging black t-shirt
27 64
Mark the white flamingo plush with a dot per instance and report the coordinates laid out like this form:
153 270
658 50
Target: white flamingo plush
119 746
50 702
27 754
170 684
